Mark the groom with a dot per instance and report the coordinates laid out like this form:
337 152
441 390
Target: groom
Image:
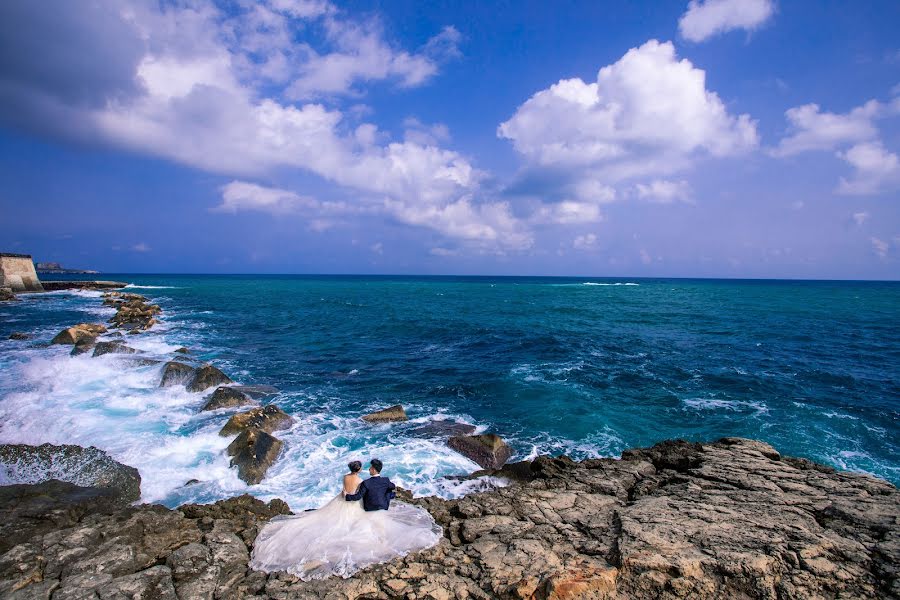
376 491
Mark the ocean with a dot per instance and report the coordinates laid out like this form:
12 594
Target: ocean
576 366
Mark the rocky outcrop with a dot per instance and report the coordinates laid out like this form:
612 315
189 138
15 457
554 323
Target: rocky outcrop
6 294
113 347
77 333
85 467
253 452
267 418
207 376
176 373
488 450
133 312
390 414
442 428
730 519
53 286
18 335
226 397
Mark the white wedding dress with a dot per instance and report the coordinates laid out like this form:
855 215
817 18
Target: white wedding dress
341 538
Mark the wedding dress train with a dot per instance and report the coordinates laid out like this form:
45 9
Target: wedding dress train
341 538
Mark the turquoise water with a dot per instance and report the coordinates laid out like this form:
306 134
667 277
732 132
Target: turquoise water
575 366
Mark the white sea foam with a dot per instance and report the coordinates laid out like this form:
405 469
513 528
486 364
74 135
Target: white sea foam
151 287
724 404
609 284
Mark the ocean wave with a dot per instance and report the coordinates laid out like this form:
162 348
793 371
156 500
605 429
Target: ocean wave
152 287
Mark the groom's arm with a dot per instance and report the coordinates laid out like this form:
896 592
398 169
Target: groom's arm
359 493
392 493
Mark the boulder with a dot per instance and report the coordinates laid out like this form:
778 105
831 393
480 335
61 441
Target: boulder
16 335
85 467
442 428
253 452
226 397
256 391
390 414
205 377
267 418
83 346
175 373
6 293
488 450
114 347
79 332
183 350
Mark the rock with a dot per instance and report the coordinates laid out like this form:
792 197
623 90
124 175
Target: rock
442 428
267 418
226 397
253 452
393 413
154 583
86 467
191 482
6 294
256 391
176 373
79 332
83 346
183 350
488 450
207 376
114 347
16 335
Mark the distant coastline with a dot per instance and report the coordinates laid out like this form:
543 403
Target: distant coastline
46 268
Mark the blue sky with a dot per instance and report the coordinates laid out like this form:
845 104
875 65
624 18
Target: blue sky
712 138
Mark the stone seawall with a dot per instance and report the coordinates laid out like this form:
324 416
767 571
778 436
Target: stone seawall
17 273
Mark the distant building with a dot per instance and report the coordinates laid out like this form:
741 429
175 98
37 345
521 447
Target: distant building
17 273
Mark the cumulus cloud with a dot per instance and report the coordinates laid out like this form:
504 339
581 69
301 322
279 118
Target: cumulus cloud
239 196
664 192
647 115
874 169
707 18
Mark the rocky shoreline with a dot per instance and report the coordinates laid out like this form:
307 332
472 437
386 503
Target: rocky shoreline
728 519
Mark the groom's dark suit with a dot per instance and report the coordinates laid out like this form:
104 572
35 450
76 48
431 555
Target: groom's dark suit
376 493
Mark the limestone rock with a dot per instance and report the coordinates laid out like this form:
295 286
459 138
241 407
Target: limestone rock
86 467
113 347
392 413
267 418
175 373
79 332
226 397
253 452
488 450
207 376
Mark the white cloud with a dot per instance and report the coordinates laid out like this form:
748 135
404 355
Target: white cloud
141 247
239 196
707 18
875 169
664 192
880 247
418 132
649 114
860 217
813 129
377 248
567 212
585 242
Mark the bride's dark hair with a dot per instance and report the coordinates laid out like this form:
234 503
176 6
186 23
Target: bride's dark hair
355 466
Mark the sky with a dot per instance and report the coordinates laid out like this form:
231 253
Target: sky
701 138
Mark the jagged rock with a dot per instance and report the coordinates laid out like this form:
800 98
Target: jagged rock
267 418
175 373
253 452
256 391
392 413
488 450
16 335
226 397
442 428
114 347
83 346
86 467
207 376
154 583
79 332
183 350
6 294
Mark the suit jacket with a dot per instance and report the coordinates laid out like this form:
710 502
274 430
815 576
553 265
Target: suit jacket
376 493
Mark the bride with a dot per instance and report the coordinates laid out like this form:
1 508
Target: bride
341 538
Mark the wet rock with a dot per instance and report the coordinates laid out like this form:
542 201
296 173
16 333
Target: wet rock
267 418
83 346
226 397
253 452
488 450
113 347
16 335
6 294
442 428
205 377
79 332
183 350
256 391
191 482
86 467
176 373
392 413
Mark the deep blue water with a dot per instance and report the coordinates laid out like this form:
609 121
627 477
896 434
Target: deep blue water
577 366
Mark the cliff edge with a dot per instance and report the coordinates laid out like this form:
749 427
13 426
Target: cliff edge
730 519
